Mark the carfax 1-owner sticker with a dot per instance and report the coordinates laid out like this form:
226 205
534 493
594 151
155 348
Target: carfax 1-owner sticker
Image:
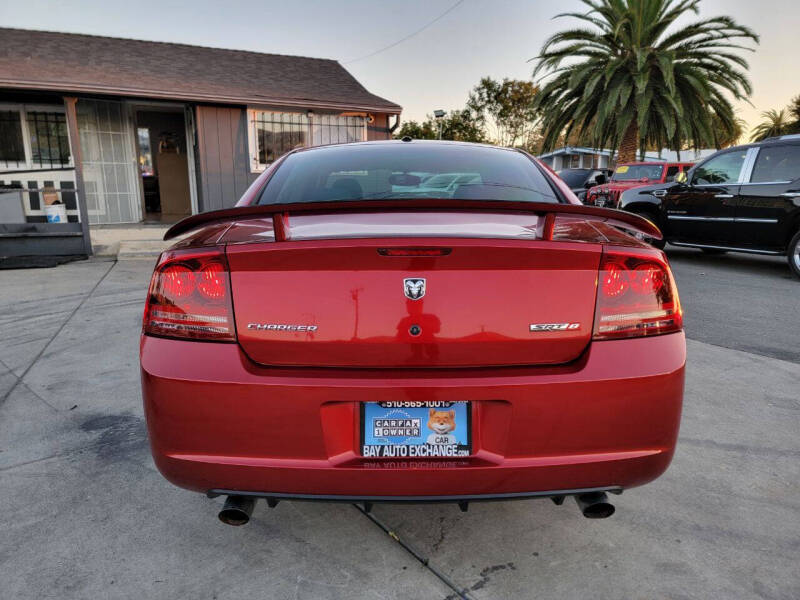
415 429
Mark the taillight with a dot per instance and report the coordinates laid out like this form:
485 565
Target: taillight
636 296
190 297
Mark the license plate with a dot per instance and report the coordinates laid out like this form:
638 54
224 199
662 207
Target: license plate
408 429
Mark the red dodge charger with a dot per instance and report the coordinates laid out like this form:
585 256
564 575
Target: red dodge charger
352 331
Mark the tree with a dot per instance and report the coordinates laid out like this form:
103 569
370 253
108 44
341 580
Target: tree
726 134
457 125
775 123
505 109
794 113
418 131
631 80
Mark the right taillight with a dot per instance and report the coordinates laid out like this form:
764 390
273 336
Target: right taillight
190 297
636 296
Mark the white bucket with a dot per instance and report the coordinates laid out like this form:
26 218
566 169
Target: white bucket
56 213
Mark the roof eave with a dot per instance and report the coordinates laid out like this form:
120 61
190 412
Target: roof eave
211 98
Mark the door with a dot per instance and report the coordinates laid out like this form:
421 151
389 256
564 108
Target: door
702 211
163 162
109 166
768 202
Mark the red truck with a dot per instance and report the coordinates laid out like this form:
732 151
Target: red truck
631 175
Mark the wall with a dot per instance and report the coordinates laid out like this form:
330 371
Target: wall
223 169
379 129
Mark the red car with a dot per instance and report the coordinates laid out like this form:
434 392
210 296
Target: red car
341 336
632 175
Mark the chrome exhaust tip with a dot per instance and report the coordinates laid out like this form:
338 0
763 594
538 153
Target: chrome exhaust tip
237 510
595 505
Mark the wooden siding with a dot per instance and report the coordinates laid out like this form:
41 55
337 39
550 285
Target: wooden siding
222 156
379 129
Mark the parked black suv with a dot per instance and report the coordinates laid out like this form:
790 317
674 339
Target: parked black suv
745 199
580 180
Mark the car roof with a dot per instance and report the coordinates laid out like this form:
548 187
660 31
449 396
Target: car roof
405 142
792 139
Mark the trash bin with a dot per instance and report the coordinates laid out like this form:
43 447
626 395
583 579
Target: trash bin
56 213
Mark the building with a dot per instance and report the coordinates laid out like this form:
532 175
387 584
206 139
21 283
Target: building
123 131
578 157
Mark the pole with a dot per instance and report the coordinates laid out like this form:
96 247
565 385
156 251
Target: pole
77 160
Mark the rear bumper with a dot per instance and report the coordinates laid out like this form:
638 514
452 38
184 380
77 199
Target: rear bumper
217 421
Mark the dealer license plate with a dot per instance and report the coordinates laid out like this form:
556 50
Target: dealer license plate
408 429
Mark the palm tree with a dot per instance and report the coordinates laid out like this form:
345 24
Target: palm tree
794 113
631 81
726 133
775 123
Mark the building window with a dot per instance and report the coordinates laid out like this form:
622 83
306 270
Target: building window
49 139
145 152
277 133
33 138
335 129
12 149
272 134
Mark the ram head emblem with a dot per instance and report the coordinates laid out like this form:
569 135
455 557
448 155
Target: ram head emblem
414 288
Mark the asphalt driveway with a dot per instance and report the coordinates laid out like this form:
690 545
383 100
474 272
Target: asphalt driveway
86 515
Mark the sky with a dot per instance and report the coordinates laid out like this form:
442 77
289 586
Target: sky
434 69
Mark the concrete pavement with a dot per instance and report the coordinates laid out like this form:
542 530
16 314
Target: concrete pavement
86 515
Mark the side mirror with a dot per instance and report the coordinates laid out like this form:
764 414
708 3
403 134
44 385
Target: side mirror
600 179
682 177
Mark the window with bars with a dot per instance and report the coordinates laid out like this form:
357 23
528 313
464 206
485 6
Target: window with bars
33 138
12 148
49 139
275 133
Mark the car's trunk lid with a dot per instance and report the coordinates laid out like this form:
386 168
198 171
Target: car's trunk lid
413 301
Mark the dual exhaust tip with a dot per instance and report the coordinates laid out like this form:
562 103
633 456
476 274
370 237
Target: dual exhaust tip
237 510
595 505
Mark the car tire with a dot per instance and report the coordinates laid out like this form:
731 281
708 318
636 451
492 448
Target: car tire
793 254
654 220
713 251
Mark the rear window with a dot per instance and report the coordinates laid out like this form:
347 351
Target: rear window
574 178
406 170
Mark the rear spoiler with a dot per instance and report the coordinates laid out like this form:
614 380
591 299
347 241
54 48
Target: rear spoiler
280 212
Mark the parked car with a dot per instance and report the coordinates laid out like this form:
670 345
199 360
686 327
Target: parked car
580 180
745 199
632 175
331 341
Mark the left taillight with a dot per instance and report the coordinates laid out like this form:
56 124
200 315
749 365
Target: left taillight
636 297
190 297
